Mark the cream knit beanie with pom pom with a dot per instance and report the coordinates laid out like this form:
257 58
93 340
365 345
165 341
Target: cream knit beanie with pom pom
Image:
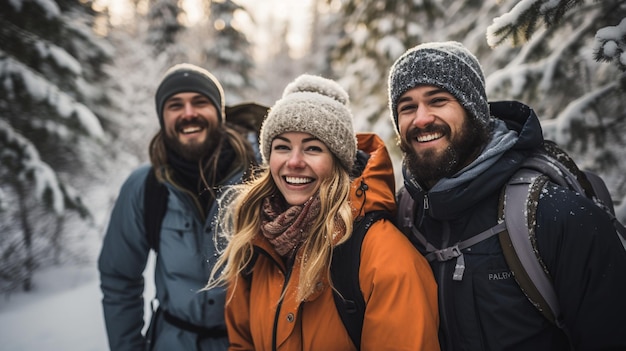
314 105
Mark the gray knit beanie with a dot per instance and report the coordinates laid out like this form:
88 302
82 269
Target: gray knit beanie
184 78
448 65
317 106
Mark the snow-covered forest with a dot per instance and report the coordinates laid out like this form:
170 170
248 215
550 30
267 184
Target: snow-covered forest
77 87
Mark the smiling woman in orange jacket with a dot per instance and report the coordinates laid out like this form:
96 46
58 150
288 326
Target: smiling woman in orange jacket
292 216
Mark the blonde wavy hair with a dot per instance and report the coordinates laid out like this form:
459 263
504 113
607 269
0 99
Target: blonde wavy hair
240 220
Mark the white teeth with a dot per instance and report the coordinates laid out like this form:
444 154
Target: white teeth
190 130
429 137
297 180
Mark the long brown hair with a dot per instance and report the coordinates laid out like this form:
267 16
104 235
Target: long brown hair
230 133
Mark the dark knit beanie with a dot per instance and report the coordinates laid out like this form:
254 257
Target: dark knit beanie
447 65
185 78
314 105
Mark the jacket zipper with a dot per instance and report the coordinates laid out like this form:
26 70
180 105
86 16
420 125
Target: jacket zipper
422 212
443 283
287 275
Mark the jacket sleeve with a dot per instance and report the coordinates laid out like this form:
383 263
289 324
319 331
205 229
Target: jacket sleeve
238 316
581 250
400 292
121 264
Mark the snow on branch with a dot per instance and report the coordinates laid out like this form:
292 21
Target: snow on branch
41 90
50 7
61 57
522 21
20 156
610 44
516 77
559 53
519 73
558 129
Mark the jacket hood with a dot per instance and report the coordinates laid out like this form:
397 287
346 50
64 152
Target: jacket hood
486 174
373 187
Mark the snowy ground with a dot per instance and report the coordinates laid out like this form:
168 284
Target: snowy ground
64 313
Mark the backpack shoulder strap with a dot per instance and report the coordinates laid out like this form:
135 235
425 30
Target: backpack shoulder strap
154 208
601 192
344 271
404 221
518 208
604 201
430 252
561 169
406 207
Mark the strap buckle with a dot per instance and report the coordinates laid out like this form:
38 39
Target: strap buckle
448 253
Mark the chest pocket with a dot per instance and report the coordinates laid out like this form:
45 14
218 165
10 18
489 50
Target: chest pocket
496 297
488 271
182 245
177 223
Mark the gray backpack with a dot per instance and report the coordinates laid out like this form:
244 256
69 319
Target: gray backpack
520 196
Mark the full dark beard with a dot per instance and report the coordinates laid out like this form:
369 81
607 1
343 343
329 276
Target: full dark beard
194 151
429 166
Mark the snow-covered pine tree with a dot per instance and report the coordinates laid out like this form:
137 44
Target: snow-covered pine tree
570 66
555 70
164 25
375 34
326 31
50 63
227 53
278 68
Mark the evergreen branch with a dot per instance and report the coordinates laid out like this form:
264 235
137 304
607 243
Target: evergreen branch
610 44
522 21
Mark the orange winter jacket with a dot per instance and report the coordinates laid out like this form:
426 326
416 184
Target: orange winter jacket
396 281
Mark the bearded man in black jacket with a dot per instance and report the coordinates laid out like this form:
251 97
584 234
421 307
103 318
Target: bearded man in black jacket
459 151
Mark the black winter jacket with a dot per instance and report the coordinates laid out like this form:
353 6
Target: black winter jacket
486 310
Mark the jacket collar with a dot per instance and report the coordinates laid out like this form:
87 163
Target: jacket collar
373 188
492 168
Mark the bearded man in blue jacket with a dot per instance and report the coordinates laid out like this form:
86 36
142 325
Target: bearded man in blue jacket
194 154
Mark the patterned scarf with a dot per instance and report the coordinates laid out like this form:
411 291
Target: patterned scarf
286 227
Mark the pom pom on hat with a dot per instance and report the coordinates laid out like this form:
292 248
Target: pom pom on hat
448 65
185 78
314 105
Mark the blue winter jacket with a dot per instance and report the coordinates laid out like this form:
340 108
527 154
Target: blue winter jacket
186 256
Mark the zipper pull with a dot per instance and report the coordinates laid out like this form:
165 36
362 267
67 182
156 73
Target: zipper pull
426 206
